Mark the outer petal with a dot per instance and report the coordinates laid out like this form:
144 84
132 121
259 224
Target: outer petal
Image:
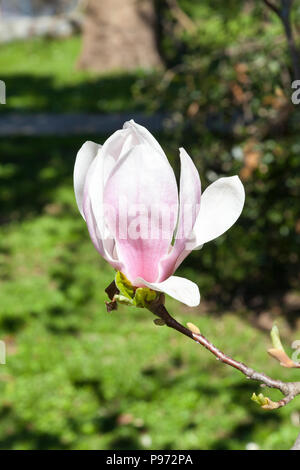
221 205
142 194
100 235
189 206
110 153
177 287
84 158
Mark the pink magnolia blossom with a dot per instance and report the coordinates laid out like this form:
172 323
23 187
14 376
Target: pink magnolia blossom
127 193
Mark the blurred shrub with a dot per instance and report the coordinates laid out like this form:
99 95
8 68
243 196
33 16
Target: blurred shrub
228 89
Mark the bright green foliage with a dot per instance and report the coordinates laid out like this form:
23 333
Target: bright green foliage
48 80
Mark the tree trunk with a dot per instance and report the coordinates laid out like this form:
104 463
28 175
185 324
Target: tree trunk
119 34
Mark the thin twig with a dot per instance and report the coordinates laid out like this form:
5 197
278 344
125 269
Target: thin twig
288 389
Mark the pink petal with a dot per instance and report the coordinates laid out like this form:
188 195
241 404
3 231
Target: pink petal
113 150
143 180
190 195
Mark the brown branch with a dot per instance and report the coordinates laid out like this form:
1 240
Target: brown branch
272 7
284 14
288 389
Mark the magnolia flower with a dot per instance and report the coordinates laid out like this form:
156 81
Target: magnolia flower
127 193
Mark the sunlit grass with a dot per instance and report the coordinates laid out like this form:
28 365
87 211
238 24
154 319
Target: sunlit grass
78 377
42 75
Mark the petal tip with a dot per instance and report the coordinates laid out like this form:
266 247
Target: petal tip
183 152
238 181
195 299
129 123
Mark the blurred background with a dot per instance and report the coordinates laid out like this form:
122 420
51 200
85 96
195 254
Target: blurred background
214 77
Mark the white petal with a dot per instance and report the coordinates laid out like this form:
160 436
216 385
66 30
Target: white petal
221 205
84 158
177 287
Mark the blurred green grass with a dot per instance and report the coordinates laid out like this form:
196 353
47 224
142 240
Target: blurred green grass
77 377
41 75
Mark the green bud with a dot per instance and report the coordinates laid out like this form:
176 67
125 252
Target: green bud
124 285
144 296
275 336
130 295
260 399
